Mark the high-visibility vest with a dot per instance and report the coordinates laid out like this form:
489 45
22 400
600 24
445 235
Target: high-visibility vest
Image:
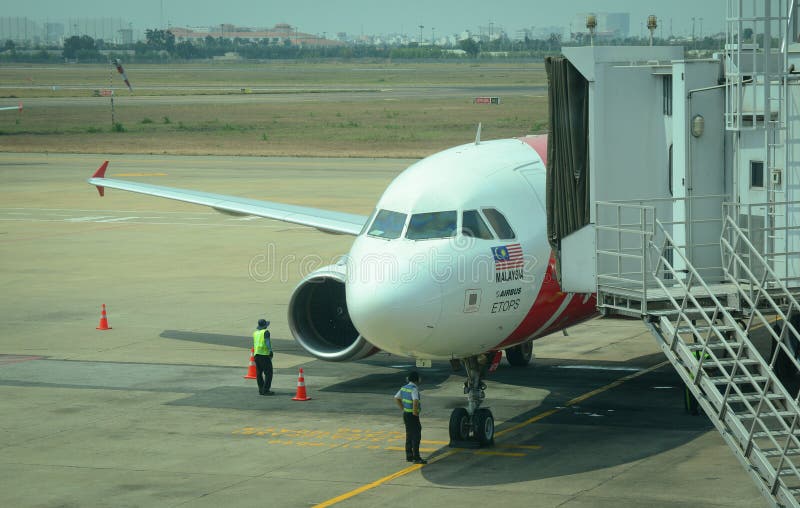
261 343
408 402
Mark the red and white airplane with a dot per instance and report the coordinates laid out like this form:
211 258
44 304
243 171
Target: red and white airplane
453 264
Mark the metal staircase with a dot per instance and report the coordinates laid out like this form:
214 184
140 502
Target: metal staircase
729 322
708 332
735 383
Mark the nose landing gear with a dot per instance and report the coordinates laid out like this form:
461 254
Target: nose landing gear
473 426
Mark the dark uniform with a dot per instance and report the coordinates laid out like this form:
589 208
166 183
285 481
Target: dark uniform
408 399
262 352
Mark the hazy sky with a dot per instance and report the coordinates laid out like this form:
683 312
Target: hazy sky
376 16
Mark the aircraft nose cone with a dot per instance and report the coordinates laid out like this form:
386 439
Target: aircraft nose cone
392 309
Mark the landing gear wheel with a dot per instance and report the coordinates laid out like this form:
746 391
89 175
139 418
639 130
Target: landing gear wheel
459 425
484 427
520 356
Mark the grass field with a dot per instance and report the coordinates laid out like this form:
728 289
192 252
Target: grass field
171 110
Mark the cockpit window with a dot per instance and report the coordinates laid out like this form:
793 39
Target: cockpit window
387 224
472 225
499 224
369 222
424 226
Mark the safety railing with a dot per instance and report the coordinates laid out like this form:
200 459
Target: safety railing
623 230
712 351
774 230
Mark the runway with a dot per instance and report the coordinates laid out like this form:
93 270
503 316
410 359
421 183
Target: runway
222 95
155 411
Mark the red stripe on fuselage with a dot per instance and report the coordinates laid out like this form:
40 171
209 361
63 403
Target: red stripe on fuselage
551 299
538 143
548 303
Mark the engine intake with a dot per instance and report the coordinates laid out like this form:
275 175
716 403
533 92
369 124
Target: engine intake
319 320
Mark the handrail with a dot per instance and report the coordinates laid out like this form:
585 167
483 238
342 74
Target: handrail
708 355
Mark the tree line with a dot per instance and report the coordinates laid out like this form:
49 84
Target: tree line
160 46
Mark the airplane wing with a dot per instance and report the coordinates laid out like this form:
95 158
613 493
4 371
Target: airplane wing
324 220
9 108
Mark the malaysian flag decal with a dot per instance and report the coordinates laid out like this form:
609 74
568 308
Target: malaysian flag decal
507 256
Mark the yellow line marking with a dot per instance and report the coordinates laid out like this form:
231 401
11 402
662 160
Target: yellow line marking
403 472
500 454
364 488
581 398
139 174
378 483
517 447
425 441
402 449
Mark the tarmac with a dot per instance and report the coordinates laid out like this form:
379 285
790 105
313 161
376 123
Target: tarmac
156 412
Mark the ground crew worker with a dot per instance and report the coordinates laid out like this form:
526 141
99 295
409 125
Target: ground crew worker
262 352
407 399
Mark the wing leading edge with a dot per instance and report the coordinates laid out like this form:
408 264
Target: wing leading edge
324 220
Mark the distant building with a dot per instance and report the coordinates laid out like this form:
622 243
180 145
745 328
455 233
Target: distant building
126 35
107 29
279 34
54 33
20 30
540 32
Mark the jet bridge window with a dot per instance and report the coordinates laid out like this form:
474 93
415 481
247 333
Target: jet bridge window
756 174
424 226
472 225
499 223
387 224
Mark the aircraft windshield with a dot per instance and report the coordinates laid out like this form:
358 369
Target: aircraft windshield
387 224
472 225
499 224
424 226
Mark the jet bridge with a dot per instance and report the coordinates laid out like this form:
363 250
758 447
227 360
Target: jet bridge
682 207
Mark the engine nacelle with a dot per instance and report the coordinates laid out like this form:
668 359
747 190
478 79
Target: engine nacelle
319 320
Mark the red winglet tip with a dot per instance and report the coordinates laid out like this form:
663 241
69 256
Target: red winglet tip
101 171
20 106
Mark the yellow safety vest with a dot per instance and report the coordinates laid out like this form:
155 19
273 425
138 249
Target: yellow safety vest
261 344
408 402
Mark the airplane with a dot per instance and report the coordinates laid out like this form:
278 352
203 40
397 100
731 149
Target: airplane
453 264
9 108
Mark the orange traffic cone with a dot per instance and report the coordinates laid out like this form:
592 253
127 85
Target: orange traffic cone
103 320
301 388
251 370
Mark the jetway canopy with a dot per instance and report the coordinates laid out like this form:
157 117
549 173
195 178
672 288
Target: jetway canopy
568 199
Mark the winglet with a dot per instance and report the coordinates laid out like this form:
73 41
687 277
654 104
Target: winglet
478 135
101 173
20 106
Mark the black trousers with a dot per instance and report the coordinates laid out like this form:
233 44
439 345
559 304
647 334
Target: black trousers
413 435
263 373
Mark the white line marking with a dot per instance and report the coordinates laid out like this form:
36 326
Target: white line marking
118 219
97 218
598 367
556 314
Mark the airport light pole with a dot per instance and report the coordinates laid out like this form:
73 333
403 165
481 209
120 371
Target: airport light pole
652 24
420 34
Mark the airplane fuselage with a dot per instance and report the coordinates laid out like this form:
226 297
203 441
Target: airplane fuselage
455 261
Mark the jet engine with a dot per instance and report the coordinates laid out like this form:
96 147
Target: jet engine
319 320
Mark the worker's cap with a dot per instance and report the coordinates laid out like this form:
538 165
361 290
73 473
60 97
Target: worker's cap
263 323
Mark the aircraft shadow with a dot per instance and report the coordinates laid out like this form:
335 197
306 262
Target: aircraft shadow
219 339
639 418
